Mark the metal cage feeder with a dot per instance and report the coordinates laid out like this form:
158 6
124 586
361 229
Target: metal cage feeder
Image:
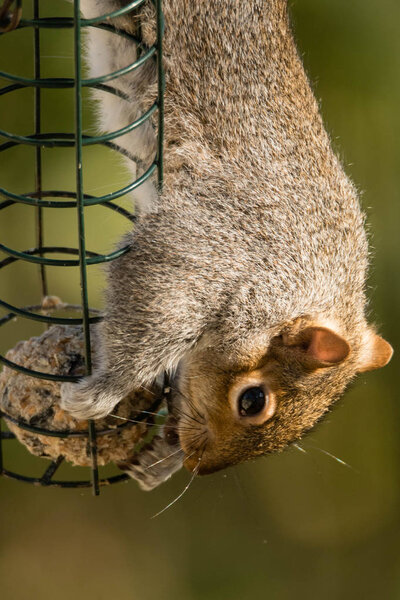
11 20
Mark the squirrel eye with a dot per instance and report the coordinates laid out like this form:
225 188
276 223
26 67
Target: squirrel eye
251 402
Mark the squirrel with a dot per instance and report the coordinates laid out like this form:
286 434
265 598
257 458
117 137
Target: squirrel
245 277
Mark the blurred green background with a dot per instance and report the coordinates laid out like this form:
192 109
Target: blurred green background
296 525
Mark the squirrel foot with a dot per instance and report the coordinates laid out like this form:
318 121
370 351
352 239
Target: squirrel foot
84 400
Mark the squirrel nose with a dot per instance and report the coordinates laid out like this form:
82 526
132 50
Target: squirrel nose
171 431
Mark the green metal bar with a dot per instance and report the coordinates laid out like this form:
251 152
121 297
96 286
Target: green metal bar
65 484
46 82
25 312
99 86
125 190
64 194
1 448
116 13
56 262
38 374
59 22
88 201
44 319
160 97
66 82
59 433
123 71
68 22
47 23
42 140
51 469
7 435
89 140
81 227
143 416
38 150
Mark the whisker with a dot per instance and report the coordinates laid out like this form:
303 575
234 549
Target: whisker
200 447
194 473
148 390
198 436
299 448
189 401
199 418
189 416
165 458
198 428
195 409
154 414
187 426
339 460
134 421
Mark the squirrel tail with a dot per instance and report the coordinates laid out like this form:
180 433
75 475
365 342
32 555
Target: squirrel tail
134 92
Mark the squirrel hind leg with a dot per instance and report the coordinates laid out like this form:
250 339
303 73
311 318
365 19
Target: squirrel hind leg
91 398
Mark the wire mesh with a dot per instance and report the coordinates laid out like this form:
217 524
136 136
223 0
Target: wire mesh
11 20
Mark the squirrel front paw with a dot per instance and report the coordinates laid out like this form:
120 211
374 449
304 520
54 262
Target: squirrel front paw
86 399
154 463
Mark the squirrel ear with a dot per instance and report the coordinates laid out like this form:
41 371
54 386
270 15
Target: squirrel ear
377 353
324 347
318 346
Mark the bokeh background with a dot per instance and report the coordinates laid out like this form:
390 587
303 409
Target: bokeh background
296 525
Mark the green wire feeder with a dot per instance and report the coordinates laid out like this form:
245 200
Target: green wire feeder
11 19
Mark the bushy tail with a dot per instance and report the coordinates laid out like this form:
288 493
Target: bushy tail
107 52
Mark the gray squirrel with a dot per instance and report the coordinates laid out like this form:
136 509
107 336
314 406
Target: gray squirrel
245 278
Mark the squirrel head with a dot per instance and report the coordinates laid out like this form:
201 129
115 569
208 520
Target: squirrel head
228 409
